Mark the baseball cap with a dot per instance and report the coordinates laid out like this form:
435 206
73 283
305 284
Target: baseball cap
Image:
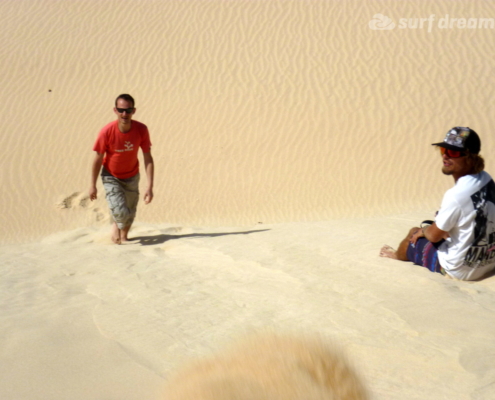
461 138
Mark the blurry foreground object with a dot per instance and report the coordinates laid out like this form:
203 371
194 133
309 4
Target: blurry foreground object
270 367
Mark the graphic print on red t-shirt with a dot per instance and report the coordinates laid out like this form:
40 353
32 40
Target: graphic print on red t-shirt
121 149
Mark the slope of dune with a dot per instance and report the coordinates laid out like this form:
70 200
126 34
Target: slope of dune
258 111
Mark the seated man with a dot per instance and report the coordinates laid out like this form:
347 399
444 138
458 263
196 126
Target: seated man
461 241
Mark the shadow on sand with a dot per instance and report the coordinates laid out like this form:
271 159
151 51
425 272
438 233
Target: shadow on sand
158 239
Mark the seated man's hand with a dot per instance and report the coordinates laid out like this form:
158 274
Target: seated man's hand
416 235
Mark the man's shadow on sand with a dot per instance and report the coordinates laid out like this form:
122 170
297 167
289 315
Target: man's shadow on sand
158 239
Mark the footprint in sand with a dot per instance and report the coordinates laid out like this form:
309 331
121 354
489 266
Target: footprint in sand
99 215
80 201
83 202
75 200
68 201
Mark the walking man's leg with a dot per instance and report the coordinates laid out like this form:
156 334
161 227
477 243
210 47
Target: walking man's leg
122 197
131 192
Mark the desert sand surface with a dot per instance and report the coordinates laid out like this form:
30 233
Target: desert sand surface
291 139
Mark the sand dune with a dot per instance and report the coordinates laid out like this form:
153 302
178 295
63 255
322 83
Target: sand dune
291 141
258 111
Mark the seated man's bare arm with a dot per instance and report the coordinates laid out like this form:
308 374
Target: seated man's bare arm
434 234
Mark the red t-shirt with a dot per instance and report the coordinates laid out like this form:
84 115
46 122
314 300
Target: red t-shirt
121 149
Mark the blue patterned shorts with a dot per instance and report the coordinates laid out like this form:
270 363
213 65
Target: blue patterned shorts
424 253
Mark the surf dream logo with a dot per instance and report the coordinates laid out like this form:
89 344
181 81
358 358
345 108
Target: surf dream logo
381 22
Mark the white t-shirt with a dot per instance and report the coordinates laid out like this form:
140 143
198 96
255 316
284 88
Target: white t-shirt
468 215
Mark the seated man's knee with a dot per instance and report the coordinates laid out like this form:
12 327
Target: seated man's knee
414 230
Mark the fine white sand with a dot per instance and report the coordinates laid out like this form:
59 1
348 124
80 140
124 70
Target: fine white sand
291 141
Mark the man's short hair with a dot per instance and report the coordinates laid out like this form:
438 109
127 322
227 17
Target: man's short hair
126 97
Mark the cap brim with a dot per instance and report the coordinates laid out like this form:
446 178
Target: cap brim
447 146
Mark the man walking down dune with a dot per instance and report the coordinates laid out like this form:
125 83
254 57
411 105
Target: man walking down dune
461 241
116 149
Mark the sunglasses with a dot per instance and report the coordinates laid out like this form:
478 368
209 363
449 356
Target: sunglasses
127 110
451 153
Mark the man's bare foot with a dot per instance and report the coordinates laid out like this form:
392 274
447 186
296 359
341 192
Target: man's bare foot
116 234
388 252
123 234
